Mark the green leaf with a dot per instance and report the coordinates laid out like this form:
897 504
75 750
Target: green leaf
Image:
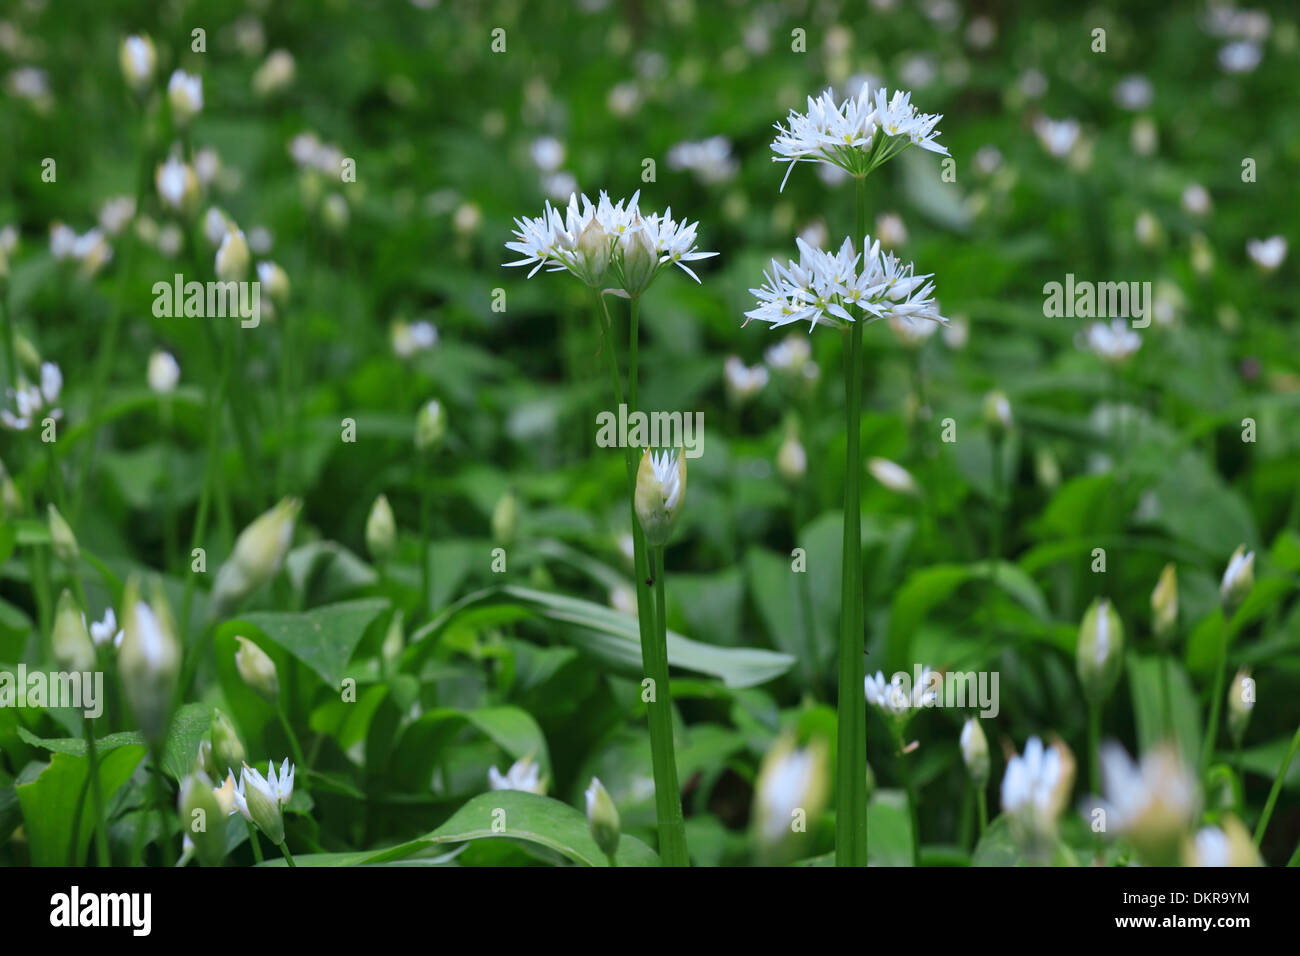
613 638
890 831
1146 678
322 638
49 803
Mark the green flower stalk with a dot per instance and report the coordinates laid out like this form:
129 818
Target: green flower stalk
1235 586
975 755
1099 658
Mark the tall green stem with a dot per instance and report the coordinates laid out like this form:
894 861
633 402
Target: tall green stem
905 772
851 770
672 848
1216 696
1277 789
97 795
1094 745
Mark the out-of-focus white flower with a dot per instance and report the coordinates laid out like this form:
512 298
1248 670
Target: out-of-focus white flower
1196 200
623 99
957 333
1241 56
845 136
137 59
408 338
257 670
793 783
547 153
1146 228
149 658
606 242
467 218
164 373
430 426
1032 83
63 240
524 774
822 286
791 460
177 185
1241 701
789 356
660 491
1113 342
259 240
1267 253
897 696
261 800
1228 844
975 751
1134 92
381 529
106 630
1058 137
1164 603
185 94
32 403
623 600
233 256
275 74
1099 654
1238 578
709 159
997 412
912 332
116 213
170 239
1152 804
893 476
890 229
207 164
258 554
981 32
1202 256
602 818
32 84
1036 785
1144 137
215 225
743 381
69 642
987 159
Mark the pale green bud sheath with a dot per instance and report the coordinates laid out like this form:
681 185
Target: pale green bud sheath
381 529
430 426
62 539
73 649
1100 652
639 260
660 491
203 820
149 660
1164 604
975 751
258 670
602 818
1238 579
227 748
505 518
258 555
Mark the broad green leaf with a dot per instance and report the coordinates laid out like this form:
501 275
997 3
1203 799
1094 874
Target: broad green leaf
50 803
322 638
1150 678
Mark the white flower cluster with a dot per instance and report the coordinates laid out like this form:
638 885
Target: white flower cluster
821 288
858 134
1035 784
895 697
30 400
606 244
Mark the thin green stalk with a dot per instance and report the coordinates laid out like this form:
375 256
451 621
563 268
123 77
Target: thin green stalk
1277 789
905 772
1216 696
1295 857
668 802
288 857
426 559
851 772
160 799
1165 664
981 801
253 842
97 796
11 362
293 738
1094 745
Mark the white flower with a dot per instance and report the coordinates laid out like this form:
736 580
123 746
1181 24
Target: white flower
137 59
1057 136
821 288
893 476
709 159
1267 253
1114 342
602 241
791 778
1241 56
743 382
33 403
185 94
177 185
1152 803
275 74
215 225
261 800
1238 576
1196 199
232 255
660 487
897 697
1035 785
890 229
163 373
207 163
547 153
116 213
103 631
857 135
524 774
1134 92
789 356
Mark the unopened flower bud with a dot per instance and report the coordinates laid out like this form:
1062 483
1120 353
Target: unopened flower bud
137 59
1100 652
335 212
893 476
660 490
792 788
430 426
259 553
1228 844
202 817
185 94
997 413
505 518
232 256
975 751
149 659
227 748
275 74
1238 579
1241 701
381 529
602 818
394 640
639 260
62 539
1164 604
275 280
73 649
178 187
258 670
592 260
791 460
260 800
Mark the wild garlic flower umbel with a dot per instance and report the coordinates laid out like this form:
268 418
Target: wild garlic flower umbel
606 245
34 403
857 135
898 697
261 800
841 288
